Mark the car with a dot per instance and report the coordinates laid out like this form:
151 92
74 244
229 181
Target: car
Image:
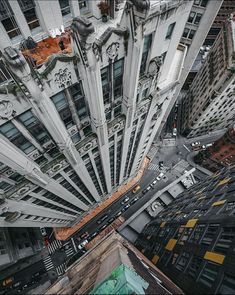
196 143
136 189
161 165
174 131
134 200
125 207
119 213
82 244
94 234
99 221
160 176
103 226
111 219
153 183
43 231
83 235
146 190
125 200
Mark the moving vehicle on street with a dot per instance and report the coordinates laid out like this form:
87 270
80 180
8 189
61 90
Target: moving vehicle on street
125 200
160 176
103 218
153 183
146 190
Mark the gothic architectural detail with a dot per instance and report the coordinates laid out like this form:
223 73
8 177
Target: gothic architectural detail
112 51
6 109
63 78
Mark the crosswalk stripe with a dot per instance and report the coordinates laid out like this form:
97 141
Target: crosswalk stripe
54 246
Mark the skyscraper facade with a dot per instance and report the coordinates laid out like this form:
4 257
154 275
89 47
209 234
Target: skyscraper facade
83 98
192 240
209 103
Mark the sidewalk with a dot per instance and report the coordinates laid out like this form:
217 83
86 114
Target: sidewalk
65 233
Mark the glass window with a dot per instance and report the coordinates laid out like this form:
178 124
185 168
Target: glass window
210 234
227 286
146 48
105 77
225 240
64 6
12 29
82 4
197 233
170 31
34 126
198 18
195 266
191 16
209 274
32 19
62 107
13 134
182 261
191 34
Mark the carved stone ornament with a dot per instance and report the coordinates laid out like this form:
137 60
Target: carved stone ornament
63 78
112 50
154 65
6 109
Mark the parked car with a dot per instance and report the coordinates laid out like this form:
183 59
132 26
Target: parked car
94 234
111 220
125 207
153 183
146 190
125 200
99 221
82 244
103 226
196 143
134 200
136 189
119 213
160 176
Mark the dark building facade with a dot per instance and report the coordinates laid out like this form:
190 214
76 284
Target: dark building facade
221 154
193 240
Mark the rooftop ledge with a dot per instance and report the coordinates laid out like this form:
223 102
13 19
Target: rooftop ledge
175 68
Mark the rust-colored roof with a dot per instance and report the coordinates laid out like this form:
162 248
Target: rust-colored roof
47 47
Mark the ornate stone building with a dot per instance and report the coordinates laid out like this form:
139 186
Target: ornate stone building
81 100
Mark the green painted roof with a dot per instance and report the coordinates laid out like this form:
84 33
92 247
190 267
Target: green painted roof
122 280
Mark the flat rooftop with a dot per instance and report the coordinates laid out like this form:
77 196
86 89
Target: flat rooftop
48 47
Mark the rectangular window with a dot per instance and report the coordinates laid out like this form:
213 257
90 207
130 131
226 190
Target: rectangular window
197 233
105 80
117 76
170 31
82 4
12 28
79 100
62 107
209 274
225 240
28 8
34 126
195 266
64 7
146 48
227 286
182 261
13 134
210 234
